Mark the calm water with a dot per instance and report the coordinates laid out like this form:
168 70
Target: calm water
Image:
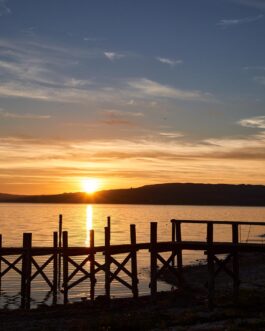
42 220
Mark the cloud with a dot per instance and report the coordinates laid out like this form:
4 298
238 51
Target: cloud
151 88
5 114
30 31
225 23
169 61
253 122
36 70
4 9
171 135
254 68
259 4
260 79
27 162
112 56
122 113
117 117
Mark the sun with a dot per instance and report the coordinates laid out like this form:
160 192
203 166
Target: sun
90 185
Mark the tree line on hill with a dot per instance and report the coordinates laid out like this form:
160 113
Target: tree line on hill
160 194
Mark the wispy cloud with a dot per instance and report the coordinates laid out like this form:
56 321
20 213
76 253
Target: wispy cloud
33 71
122 113
26 161
154 89
27 116
170 62
254 68
4 9
259 4
112 56
117 117
260 79
226 23
253 122
171 135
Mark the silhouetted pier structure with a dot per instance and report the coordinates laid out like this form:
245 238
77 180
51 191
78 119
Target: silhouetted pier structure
61 256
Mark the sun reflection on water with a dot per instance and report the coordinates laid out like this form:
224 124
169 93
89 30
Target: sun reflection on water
89 223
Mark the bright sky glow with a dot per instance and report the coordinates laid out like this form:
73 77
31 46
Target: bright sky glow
131 92
91 185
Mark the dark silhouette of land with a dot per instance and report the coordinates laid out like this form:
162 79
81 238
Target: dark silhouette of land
160 194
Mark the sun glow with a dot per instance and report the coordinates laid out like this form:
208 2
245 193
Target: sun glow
90 185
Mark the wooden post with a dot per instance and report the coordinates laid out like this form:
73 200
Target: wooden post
109 225
178 240
65 267
55 266
0 265
107 262
26 271
153 239
235 262
92 266
173 238
60 246
134 261
210 262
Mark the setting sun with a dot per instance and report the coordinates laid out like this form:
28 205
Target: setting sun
90 185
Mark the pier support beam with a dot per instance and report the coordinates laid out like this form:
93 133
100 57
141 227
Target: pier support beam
153 259
55 267
26 271
235 262
210 263
107 262
134 261
65 267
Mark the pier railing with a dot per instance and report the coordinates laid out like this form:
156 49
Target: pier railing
60 256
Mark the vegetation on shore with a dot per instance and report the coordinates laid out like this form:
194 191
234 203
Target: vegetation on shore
163 194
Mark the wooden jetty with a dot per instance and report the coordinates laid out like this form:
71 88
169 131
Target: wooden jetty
64 267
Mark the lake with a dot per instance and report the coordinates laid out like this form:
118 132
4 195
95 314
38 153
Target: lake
78 219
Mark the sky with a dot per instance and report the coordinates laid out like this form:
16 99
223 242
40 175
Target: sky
131 92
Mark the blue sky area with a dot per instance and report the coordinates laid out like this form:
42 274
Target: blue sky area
131 92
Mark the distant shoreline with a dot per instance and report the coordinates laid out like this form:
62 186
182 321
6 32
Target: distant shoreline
159 194
123 204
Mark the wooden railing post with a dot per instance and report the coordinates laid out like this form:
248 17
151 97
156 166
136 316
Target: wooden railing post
107 262
0 264
210 263
178 240
92 265
153 259
108 222
65 267
235 261
134 261
55 266
26 271
173 238
60 246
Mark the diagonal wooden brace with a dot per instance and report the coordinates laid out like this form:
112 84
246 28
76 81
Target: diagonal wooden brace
39 270
11 265
121 267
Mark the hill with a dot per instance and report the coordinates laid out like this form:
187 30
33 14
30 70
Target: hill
163 194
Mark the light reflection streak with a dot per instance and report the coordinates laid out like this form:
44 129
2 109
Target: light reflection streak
89 223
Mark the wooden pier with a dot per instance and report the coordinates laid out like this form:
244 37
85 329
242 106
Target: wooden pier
60 256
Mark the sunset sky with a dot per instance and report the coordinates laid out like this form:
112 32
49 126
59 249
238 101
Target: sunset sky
131 93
